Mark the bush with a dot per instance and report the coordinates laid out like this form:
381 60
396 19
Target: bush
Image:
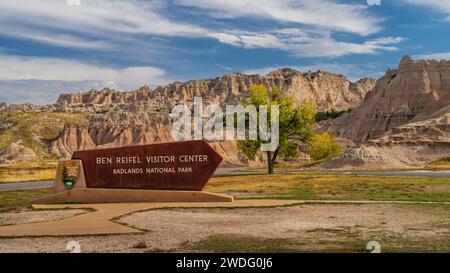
321 116
323 146
141 244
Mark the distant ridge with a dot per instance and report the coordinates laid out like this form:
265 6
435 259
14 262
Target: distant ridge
404 120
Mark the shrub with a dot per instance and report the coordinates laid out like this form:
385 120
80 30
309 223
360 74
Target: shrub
323 146
333 114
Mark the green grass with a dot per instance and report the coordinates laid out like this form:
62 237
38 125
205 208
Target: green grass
334 187
300 187
18 200
323 240
231 243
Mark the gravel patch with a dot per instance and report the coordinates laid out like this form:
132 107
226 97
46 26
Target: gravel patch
25 217
194 224
174 229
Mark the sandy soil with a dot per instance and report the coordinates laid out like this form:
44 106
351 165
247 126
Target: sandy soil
30 216
183 225
172 229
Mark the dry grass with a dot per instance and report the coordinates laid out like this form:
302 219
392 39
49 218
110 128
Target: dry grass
18 200
314 186
24 176
28 171
443 164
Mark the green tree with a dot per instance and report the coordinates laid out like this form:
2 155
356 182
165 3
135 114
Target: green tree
333 114
323 146
296 124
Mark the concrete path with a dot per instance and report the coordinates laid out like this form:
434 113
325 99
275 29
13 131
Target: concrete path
99 222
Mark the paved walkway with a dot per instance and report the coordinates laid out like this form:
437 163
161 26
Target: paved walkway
99 222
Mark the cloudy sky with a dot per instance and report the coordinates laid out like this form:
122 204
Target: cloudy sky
52 46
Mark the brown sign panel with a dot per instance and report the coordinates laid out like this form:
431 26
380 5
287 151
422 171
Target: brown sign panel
167 166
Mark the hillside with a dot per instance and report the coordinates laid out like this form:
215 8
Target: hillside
400 120
403 121
114 118
33 131
329 91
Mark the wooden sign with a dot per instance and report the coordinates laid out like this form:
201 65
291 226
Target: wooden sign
167 166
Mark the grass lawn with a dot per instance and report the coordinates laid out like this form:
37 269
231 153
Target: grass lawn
316 186
299 187
35 170
17 200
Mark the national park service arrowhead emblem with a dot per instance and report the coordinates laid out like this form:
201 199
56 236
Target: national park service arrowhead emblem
70 172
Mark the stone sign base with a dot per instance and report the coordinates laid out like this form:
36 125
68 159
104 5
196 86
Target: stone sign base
96 196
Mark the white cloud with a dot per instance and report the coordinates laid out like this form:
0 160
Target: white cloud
40 80
329 47
329 14
118 24
55 69
434 56
95 24
386 41
41 92
263 40
308 43
63 40
442 6
95 16
226 38
124 27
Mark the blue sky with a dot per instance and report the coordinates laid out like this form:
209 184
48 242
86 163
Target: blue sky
48 47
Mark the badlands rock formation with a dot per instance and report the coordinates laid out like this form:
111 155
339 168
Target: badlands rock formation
142 116
403 121
15 151
328 90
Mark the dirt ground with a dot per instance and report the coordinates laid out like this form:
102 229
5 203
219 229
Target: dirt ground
320 227
30 216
